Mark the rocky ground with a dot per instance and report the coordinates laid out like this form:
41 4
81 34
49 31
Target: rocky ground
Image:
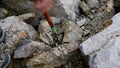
86 29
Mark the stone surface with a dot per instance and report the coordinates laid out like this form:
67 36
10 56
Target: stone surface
59 54
103 48
82 21
66 8
17 30
30 48
44 27
86 32
45 32
56 20
85 8
72 32
108 56
3 13
97 11
53 58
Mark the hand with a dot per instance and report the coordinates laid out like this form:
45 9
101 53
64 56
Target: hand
42 5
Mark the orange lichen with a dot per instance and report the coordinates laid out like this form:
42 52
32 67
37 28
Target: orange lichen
106 24
22 34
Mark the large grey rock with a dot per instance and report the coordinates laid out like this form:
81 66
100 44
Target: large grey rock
21 6
17 30
44 27
72 32
65 8
85 8
103 48
60 53
82 21
53 58
110 5
108 56
45 32
30 48
93 3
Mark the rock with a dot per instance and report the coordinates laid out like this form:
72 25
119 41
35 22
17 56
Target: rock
2 35
56 20
30 48
33 21
103 48
47 38
83 21
60 53
17 30
56 57
110 5
44 27
93 3
85 8
21 6
3 12
108 56
67 8
72 32
86 32
45 32
5 59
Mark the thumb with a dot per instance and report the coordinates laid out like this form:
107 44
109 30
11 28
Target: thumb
42 5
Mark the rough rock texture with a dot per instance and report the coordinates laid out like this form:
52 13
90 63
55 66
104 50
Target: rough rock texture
67 8
3 12
16 30
30 48
82 21
99 18
45 32
55 57
18 5
59 54
44 27
103 48
90 17
72 32
85 7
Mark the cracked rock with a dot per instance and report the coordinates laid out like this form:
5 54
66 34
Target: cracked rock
17 30
30 48
55 57
72 32
103 48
